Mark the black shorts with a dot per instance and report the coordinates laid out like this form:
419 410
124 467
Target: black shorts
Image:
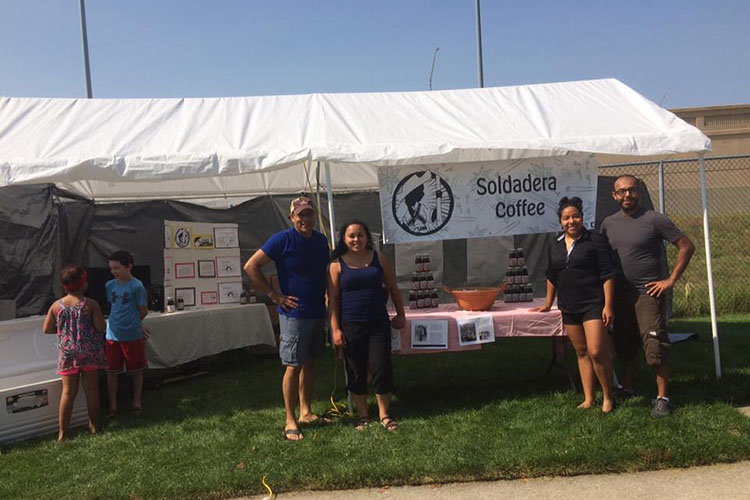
579 318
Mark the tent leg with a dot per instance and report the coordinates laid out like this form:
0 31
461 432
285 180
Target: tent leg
331 220
709 271
332 223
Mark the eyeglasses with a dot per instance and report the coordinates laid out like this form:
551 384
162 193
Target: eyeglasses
621 192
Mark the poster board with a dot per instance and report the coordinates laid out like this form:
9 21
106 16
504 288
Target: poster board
477 200
202 263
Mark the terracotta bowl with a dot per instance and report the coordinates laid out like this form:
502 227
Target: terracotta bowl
476 299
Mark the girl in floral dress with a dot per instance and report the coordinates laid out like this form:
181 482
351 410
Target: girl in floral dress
78 323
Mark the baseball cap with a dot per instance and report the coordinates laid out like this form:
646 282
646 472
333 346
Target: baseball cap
300 204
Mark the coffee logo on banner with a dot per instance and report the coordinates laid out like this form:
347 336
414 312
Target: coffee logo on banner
422 203
182 237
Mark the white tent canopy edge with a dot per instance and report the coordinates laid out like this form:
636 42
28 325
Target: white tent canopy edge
110 149
167 148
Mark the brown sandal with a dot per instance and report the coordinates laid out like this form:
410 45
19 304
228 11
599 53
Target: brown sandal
388 423
362 423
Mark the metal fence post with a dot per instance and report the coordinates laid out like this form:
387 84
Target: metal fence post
662 205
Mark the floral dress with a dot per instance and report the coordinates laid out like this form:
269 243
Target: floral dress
79 345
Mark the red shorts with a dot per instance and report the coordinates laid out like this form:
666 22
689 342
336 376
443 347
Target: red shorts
129 355
77 370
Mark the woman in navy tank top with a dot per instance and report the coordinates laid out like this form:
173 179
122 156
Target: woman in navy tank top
359 319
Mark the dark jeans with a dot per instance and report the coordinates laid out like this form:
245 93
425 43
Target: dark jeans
368 341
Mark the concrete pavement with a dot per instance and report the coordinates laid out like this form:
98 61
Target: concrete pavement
723 481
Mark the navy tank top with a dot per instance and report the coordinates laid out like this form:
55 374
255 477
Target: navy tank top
362 292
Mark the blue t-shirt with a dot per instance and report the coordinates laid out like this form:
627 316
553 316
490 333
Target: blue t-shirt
124 322
301 265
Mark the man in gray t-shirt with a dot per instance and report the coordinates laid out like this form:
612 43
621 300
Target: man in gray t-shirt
637 236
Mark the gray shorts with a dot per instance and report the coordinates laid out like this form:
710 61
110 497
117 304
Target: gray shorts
300 338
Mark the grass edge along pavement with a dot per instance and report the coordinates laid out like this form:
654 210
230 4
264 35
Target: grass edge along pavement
490 414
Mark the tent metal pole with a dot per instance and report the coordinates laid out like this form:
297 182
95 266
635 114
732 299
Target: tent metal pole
709 270
331 219
332 223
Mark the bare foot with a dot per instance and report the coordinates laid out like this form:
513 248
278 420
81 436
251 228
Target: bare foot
585 405
608 406
314 419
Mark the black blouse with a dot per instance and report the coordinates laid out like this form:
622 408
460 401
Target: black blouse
578 277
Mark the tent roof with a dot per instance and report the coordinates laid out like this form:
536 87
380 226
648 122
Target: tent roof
156 148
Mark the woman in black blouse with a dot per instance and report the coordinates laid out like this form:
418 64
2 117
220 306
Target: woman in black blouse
581 272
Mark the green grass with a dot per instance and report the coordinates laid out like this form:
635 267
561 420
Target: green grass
730 234
464 416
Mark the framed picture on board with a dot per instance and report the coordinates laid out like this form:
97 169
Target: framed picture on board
226 237
168 269
186 294
228 267
183 270
203 241
211 297
229 293
206 269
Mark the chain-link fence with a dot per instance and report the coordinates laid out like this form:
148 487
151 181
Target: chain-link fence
675 188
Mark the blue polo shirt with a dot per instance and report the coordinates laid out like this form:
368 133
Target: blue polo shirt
124 321
301 264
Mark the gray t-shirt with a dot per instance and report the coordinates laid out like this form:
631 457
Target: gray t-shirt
637 243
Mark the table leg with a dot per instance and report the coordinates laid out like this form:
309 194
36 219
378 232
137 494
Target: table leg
560 359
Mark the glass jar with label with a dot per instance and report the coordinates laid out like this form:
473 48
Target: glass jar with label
180 304
426 265
412 300
170 305
415 281
520 257
512 258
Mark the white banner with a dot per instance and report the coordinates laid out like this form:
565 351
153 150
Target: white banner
473 200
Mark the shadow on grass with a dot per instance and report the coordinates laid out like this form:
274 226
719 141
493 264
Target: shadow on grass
444 383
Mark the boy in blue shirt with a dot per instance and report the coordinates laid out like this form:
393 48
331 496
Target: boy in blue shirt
126 334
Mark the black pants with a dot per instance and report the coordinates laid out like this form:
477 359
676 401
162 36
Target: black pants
368 341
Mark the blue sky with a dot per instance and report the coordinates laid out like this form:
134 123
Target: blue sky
680 53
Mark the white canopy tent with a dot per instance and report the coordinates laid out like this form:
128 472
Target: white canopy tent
129 149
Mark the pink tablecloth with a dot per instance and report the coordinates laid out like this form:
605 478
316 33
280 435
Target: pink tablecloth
510 320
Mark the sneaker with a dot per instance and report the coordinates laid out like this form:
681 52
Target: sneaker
661 408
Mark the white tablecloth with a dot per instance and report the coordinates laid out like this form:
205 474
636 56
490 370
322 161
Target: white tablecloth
184 336
25 349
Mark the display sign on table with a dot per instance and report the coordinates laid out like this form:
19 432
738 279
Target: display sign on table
202 263
449 201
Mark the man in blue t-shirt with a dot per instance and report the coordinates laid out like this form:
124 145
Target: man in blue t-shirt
124 345
301 256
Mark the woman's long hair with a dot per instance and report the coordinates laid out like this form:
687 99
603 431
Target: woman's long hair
341 248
